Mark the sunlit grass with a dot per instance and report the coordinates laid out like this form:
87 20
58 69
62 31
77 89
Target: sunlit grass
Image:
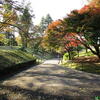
86 62
86 67
84 53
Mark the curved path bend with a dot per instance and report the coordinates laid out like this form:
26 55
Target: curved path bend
51 78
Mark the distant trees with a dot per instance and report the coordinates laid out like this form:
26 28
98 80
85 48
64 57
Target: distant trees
48 20
45 21
37 33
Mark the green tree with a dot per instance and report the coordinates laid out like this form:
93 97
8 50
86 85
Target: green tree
25 22
45 21
42 24
48 20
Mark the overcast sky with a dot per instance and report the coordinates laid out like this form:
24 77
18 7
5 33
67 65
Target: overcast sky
56 8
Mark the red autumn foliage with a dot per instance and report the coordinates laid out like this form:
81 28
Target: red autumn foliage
72 40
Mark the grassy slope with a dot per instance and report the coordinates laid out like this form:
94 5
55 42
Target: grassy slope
86 62
12 57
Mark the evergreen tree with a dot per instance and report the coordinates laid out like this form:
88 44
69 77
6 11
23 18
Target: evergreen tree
48 20
45 21
42 24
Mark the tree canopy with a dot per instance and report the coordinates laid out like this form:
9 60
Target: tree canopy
79 27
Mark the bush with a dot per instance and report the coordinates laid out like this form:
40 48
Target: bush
65 56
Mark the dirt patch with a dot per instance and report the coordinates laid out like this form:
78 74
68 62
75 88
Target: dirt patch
91 59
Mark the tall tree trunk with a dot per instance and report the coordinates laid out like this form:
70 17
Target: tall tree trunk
97 51
86 50
78 52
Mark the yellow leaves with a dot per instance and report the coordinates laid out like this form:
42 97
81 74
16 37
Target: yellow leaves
2 36
8 18
7 14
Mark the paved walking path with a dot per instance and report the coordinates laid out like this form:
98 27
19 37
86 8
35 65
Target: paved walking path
51 78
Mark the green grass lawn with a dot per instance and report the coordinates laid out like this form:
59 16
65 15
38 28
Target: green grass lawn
84 53
86 67
13 57
87 62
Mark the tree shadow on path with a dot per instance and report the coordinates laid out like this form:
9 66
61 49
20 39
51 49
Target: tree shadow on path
69 84
34 95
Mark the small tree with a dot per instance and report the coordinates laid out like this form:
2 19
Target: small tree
72 44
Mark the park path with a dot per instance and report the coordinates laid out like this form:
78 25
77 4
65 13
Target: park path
51 78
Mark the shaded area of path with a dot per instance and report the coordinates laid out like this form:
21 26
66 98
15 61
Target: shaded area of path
52 79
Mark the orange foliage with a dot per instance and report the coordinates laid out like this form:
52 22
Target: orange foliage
86 8
91 8
54 24
95 3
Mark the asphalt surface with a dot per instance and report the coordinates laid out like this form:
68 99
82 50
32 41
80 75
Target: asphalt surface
54 79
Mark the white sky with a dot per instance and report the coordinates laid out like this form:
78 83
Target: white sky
56 8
